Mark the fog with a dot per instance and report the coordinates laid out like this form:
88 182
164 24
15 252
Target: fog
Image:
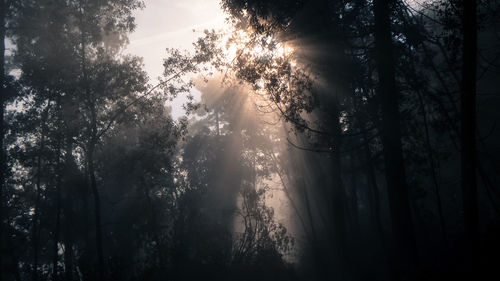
249 140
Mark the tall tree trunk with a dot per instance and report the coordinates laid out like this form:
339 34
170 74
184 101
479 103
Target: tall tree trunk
402 226
60 173
433 168
3 8
57 231
68 211
35 231
321 27
374 193
92 141
468 131
354 200
57 228
155 229
97 211
338 224
286 183
35 236
68 245
93 185
15 269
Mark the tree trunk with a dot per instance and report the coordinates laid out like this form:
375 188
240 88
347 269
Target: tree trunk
68 211
68 244
60 173
68 247
154 227
97 211
374 193
468 132
402 226
36 221
354 200
92 141
3 8
34 231
433 168
57 229
338 224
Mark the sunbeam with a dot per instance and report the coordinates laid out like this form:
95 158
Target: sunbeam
270 140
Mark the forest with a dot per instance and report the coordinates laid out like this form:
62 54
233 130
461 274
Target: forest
319 140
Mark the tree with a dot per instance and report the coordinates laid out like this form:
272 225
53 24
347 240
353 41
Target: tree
223 222
468 130
3 9
312 105
391 137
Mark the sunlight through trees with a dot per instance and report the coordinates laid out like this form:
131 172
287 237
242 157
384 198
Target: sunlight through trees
317 140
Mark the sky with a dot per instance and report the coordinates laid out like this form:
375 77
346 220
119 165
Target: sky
169 24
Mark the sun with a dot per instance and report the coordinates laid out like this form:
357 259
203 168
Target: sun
240 43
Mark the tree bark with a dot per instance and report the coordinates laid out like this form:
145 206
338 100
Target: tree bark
468 132
338 224
36 216
154 227
92 141
399 204
57 229
374 192
433 169
68 211
354 200
97 211
68 244
3 8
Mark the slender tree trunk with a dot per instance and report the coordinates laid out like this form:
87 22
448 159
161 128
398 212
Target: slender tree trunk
97 211
468 132
60 174
374 192
307 203
68 211
57 229
68 246
34 231
3 8
283 172
154 227
92 141
354 197
15 269
318 13
338 224
433 168
36 216
404 237
93 187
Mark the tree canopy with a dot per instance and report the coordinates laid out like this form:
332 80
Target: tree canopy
331 140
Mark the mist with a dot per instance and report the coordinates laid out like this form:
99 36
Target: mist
249 140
